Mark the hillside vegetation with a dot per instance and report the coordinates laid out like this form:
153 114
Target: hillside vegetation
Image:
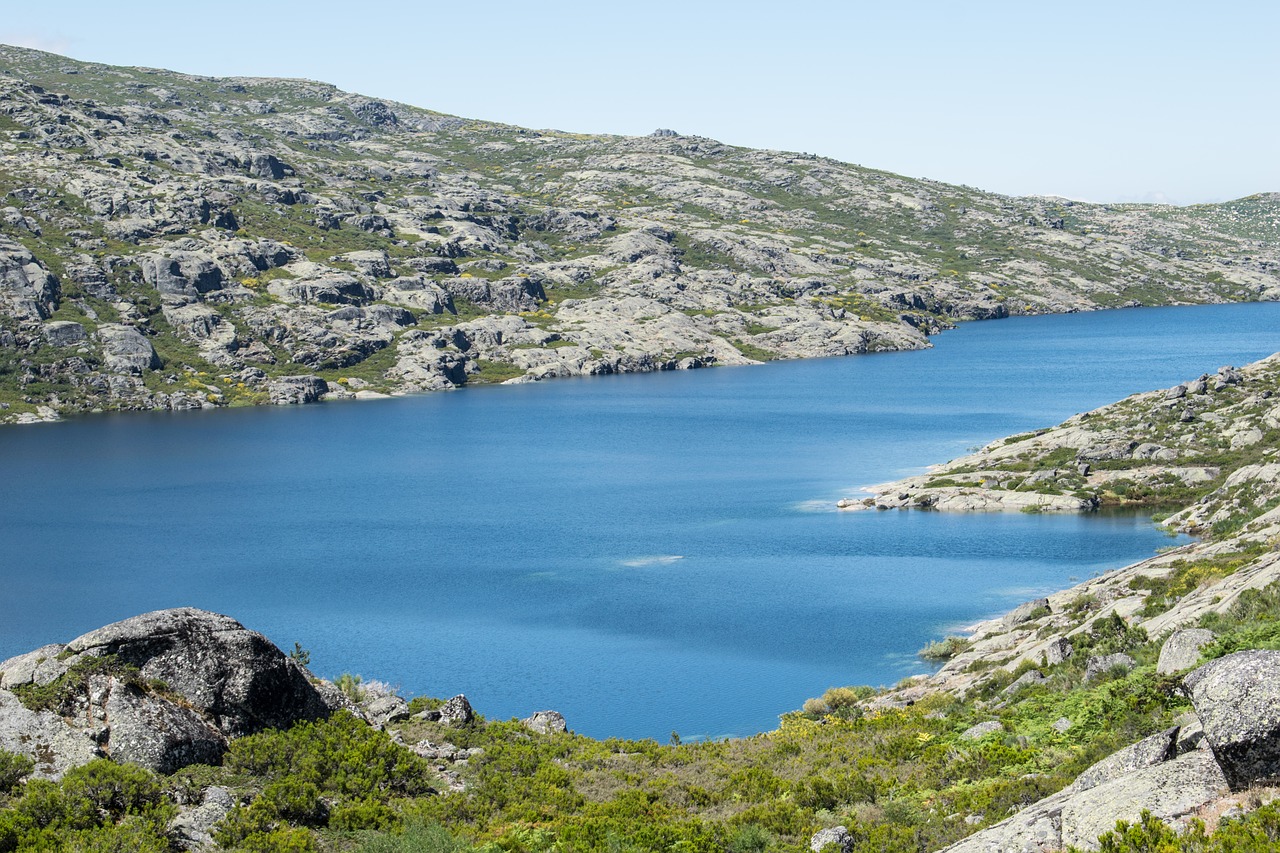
172 241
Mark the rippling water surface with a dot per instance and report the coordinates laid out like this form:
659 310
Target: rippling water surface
643 553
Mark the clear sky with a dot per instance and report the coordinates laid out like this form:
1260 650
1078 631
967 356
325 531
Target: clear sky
1107 101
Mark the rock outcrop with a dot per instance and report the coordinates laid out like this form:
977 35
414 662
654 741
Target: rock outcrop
1237 701
164 690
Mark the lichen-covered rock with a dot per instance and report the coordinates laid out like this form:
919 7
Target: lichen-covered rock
836 835
44 737
1182 650
126 350
64 333
36 667
545 722
235 677
1170 791
157 734
1100 665
1024 612
193 827
295 390
457 712
1237 698
385 709
28 291
981 730
1146 752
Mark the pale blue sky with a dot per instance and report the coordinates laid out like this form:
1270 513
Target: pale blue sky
1106 101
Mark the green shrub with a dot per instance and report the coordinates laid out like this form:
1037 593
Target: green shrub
13 769
944 649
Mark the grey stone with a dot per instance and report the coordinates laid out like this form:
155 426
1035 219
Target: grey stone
181 273
295 390
1100 665
1027 679
372 262
457 712
157 734
192 828
64 333
1061 725
1170 791
1058 650
1024 612
545 722
385 709
1152 750
1182 650
44 737
37 667
1237 698
981 730
235 677
837 835
27 290
126 350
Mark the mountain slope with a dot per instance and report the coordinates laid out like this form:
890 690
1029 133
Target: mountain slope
173 241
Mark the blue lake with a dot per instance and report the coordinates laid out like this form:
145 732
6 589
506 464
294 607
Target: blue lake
642 553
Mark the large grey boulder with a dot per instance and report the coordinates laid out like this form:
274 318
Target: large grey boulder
27 290
1024 612
294 390
1057 651
1100 665
234 677
126 350
1170 791
981 730
1237 698
457 712
37 667
181 273
1147 752
193 827
384 709
64 333
1182 650
837 835
545 722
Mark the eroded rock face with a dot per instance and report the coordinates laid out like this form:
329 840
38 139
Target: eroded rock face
1237 698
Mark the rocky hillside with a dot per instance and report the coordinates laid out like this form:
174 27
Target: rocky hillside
170 241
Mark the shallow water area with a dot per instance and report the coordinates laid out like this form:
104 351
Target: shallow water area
642 553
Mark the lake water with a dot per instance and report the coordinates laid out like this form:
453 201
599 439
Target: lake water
642 553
